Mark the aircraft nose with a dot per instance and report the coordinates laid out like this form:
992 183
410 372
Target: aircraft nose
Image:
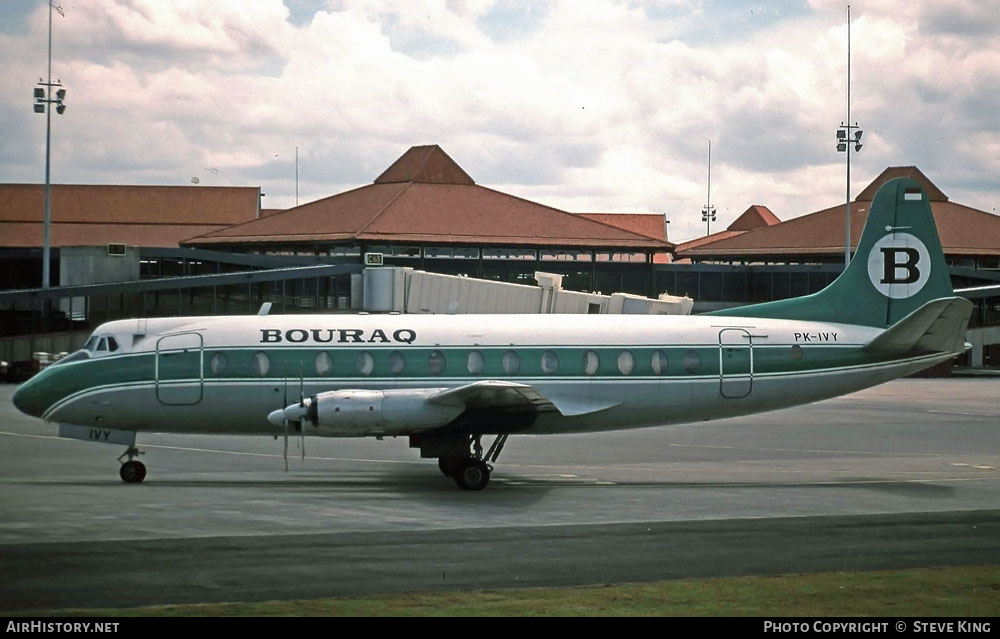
27 398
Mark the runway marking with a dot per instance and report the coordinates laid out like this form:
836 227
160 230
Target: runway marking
956 412
291 455
3 432
803 450
976 466
577 480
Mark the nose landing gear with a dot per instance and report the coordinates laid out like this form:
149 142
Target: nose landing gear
133 471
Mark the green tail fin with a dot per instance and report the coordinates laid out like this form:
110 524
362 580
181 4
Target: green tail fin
899 266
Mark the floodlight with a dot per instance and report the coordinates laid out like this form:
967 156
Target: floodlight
60 94
39 108
39 93
841 134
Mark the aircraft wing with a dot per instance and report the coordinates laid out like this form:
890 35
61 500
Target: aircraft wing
937 326
515 397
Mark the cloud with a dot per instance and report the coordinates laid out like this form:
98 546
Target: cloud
589 105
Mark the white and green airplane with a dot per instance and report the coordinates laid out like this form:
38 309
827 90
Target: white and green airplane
446 381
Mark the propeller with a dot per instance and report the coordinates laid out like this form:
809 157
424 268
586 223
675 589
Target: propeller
291 414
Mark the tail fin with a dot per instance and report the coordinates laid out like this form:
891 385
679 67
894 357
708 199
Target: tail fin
899 266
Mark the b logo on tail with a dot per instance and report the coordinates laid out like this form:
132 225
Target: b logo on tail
899 265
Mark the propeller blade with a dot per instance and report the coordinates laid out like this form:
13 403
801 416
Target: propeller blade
302 407
285 420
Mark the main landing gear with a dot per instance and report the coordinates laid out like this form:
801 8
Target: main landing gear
133 471
471 471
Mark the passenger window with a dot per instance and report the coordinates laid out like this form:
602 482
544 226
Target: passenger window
692 361
511 362
102 346
397 363
219 363
591 363
261 363
658 362
476 362
550 362
324 363
436 362
365 363
626 362
112 344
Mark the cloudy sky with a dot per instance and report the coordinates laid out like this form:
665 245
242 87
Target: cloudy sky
586 105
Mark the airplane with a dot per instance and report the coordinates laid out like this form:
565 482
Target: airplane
447 381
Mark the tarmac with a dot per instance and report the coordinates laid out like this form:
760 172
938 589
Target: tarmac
904 475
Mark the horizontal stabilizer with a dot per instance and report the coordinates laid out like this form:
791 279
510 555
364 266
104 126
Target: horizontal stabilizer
513 396
936 327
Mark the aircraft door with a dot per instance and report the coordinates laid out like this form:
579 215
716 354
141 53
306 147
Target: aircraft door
179 369
735 363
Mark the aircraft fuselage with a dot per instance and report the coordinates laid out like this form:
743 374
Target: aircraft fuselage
225 375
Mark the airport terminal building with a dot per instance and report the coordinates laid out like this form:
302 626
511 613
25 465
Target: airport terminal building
424 211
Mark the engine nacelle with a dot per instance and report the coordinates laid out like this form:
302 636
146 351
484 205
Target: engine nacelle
375 412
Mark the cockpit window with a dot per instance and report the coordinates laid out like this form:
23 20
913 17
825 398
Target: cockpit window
75 357
97 345
101 344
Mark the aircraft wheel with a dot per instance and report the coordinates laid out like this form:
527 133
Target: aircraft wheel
449 465
472 474
132 472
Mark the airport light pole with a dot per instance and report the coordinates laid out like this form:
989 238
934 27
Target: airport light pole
848 135
845 140
43 97
708 211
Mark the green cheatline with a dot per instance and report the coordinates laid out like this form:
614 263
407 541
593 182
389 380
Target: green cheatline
964 591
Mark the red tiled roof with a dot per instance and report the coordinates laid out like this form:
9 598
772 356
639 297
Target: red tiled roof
88 215
426 164
708 239
649 224
425 197
130 204
29 234
754 217
934 194
963 230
